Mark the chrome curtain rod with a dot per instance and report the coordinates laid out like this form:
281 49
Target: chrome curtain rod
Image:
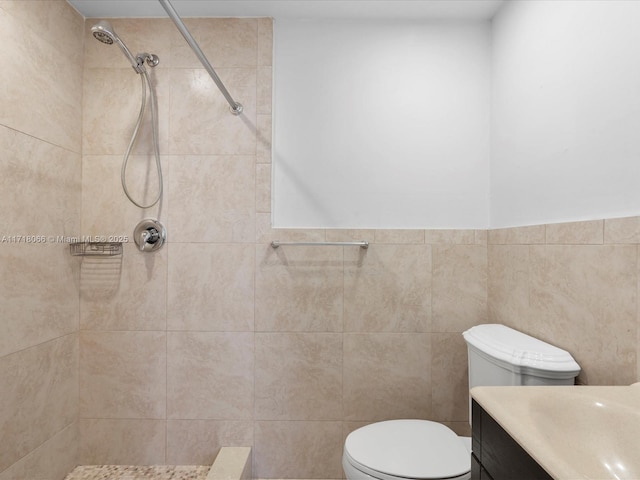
363 244
236 108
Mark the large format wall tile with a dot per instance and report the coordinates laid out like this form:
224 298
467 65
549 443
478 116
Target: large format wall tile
298 376
42 99
227 42
622 230
576 233
39 396
264 130
298 450
584 299
210 375
508 286
201 122
134 441
386 376
42 184
211 287
51 19
265 41
263 188
50 461
212 199
123 374
400 236
459 287
449 377
111 104
106 211
109 112
529 235
265 92
347 235
119 294
299 289
38 294
387 288
456 237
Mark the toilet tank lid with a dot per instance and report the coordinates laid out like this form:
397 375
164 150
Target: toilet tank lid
516 348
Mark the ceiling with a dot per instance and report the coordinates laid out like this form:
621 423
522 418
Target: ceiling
335 9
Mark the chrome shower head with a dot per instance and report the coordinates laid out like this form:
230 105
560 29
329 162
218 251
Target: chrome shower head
104 32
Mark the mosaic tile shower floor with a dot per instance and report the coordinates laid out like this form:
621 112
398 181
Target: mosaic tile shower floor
135 472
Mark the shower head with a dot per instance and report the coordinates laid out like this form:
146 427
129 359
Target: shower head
104 32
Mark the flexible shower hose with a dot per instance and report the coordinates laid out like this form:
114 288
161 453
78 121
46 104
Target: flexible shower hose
156 149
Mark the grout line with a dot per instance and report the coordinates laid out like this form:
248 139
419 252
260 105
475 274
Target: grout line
166 357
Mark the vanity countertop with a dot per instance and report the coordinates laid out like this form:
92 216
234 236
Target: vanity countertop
573 432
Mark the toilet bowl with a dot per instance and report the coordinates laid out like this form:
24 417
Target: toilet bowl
426 450
406 449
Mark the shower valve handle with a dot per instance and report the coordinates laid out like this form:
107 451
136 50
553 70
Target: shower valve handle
149 235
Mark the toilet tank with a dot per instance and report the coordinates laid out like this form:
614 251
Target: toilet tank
499 355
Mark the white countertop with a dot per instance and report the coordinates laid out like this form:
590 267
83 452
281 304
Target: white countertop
573 432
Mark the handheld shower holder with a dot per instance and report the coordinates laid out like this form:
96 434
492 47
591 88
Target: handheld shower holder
151 59
149 235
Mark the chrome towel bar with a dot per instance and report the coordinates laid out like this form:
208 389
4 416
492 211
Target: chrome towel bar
363 244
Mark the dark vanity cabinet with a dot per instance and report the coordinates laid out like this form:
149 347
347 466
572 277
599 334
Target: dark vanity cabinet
497 456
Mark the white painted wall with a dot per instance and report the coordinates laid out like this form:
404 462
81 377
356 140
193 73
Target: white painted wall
381 124
565 111
385 125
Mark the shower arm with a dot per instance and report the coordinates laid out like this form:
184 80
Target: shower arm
235 107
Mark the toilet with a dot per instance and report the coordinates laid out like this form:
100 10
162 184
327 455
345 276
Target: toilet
421 449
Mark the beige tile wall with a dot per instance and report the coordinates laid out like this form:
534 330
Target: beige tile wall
40 160
574 285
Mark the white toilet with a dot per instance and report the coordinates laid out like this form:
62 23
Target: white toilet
422 449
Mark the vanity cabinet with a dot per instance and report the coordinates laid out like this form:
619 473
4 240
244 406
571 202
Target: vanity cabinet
497 456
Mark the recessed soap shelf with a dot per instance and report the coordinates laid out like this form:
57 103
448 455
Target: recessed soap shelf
96 249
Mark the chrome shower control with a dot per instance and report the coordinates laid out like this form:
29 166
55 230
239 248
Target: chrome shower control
149 235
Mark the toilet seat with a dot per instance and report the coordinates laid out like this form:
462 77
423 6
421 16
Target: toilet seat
407 449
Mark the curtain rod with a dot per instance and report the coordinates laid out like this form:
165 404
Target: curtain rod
235 107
